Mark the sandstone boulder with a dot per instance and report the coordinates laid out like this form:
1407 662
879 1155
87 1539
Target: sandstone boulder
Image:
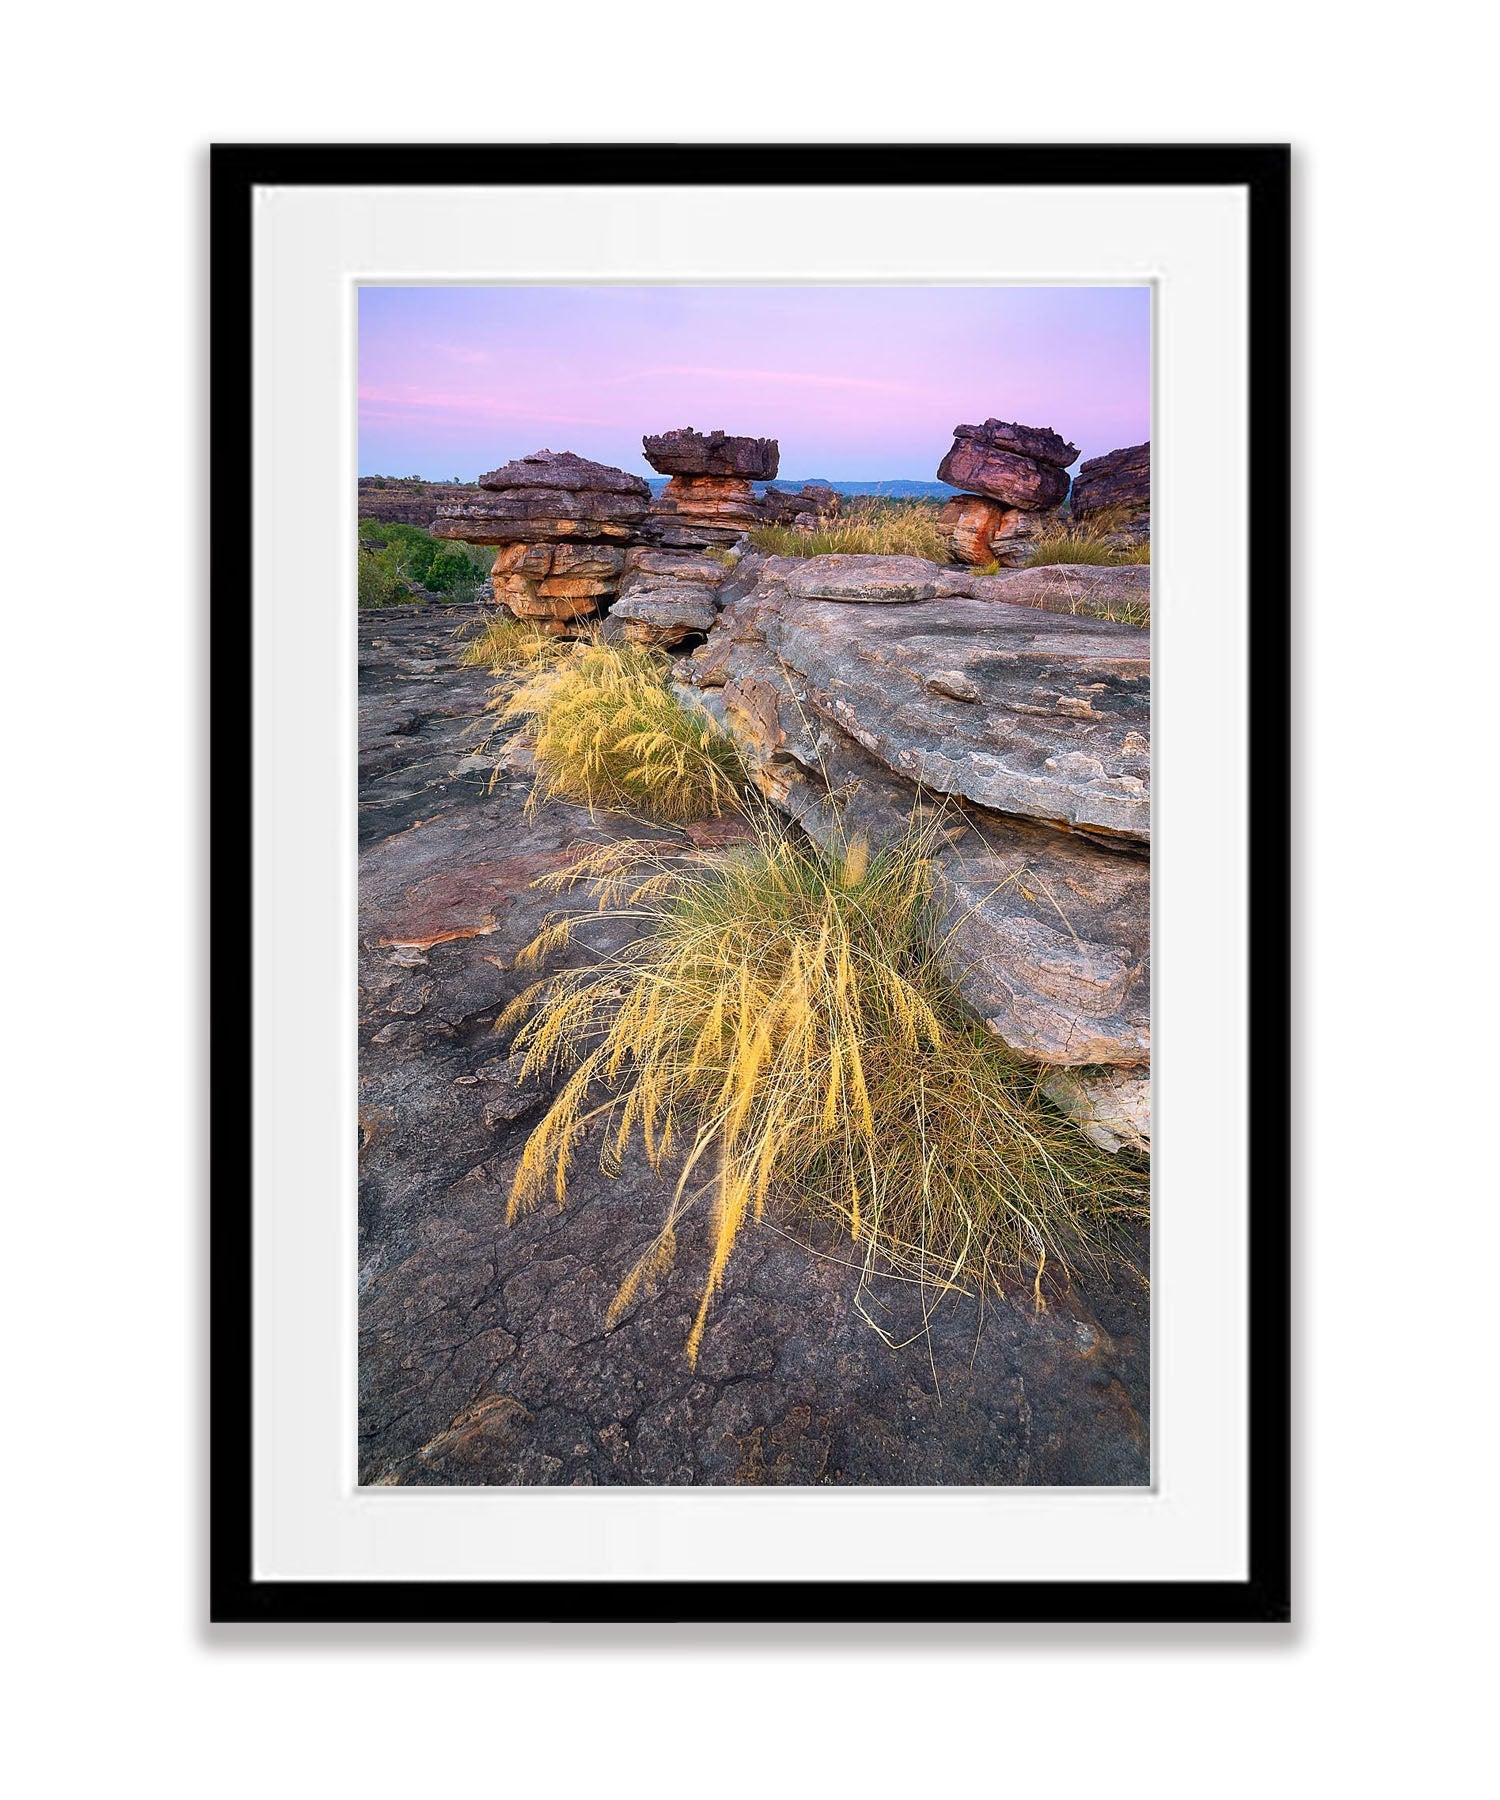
689 452
1122 479
648 567
714 499
865 580
665 616
1037 443
1112 1107
967 524
982 467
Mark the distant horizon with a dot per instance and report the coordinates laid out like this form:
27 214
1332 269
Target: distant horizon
853 382
650 474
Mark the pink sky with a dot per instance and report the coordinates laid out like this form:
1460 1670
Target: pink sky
855 382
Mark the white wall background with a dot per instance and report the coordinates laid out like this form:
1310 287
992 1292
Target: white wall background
1379 1687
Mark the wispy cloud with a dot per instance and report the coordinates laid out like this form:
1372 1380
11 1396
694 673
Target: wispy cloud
788 377
409 402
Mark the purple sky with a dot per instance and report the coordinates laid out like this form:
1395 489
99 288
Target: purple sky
856 382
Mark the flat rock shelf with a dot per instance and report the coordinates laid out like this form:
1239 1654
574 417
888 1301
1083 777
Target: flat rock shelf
484 1358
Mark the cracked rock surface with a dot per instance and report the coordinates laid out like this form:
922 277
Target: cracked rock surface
484 1359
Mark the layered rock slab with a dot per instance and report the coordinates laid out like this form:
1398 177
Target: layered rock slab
1058 726
1094 589
1046 933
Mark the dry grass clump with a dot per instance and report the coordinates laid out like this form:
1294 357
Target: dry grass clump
1087 541
872 527
779 1033
610 733
499 642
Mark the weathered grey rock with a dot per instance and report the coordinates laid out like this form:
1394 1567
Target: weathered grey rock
689 452
483 1354
1122 479
1111 1107
1061 728
665 615
1037 443
1060 587
554 469
541 515
1046 933
868 580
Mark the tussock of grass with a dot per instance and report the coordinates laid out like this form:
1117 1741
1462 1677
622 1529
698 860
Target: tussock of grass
610 733
781 1033
871 528
1086 541
498 642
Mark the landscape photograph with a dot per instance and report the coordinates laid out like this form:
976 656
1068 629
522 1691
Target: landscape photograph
754 885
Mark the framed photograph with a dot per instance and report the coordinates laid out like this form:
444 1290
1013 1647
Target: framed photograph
751 883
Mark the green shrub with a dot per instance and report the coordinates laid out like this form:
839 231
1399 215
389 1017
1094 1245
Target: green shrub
379 581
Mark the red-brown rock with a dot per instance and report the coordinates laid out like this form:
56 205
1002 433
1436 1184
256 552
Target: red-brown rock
689 452
1121 478
1037 443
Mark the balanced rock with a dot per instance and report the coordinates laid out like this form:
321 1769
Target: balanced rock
546 498
689 452
559 521
988 459
699 512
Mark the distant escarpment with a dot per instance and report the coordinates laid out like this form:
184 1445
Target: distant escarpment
404 500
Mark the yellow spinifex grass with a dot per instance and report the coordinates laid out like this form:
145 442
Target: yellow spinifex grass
780 1033
1087 541
869 528
498 642
609 733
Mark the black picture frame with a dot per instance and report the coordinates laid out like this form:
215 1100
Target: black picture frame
1263 172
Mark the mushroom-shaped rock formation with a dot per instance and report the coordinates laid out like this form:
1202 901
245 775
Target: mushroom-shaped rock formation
560 523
